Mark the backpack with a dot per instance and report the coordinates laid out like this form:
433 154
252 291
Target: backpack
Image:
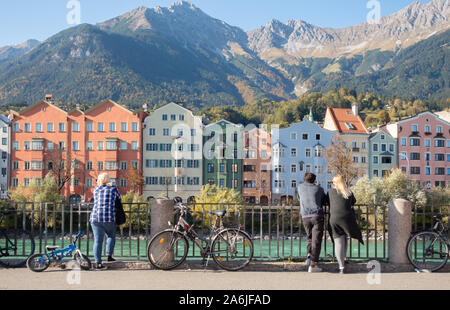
121 218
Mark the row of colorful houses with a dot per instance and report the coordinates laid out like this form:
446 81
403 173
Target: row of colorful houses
177 152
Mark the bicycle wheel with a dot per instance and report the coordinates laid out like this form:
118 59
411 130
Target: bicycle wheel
16 246
232 249
427 251
83 262
38 262
167 250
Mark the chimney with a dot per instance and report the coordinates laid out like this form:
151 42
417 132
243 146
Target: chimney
78 106
49 98
355 108
145 107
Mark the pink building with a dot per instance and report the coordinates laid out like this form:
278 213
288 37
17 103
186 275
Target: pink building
424 148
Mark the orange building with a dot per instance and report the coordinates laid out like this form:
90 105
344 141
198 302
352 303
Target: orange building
76 146
256 171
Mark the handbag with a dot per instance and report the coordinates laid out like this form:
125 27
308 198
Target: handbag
121 218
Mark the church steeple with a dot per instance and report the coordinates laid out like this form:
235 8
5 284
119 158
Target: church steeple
311 115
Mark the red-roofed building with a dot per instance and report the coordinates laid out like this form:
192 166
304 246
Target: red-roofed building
77 146
353 131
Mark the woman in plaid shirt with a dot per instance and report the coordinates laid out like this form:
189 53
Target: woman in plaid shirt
103 218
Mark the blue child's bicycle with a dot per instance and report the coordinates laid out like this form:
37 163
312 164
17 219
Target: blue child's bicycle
40 262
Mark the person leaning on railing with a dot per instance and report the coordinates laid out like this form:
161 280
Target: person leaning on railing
342 220
312 200
103 219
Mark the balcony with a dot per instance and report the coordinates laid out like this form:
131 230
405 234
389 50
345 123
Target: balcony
355 150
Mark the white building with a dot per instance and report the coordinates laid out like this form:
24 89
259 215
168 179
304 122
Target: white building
5 135
172 153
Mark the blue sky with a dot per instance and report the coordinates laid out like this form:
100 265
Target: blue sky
21 20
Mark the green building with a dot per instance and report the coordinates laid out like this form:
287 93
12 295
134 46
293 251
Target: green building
222 155
382 154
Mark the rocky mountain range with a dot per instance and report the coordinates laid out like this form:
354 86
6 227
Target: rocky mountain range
179 53
14 51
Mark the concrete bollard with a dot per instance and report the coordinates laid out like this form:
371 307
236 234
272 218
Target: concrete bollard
399 230
161 214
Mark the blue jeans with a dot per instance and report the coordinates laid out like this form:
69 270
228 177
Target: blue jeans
100 229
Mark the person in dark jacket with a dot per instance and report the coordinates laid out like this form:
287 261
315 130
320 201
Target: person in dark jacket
342 220
312 200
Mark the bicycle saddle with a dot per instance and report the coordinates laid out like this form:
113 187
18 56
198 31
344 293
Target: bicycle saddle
219 213
49 248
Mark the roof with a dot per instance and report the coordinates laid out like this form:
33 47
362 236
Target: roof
421 114
346 122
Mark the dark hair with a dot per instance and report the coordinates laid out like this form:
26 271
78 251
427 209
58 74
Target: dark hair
310 177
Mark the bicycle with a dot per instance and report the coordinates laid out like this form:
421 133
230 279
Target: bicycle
40 262
16 245
429 250
230 247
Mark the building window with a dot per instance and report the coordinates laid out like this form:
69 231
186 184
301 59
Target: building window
100 166
111 145
293 136
293 152
38 127
164 147
193 132
111 165
415 156
123 145
61 127
439 143
318 151
293 168
151 147
123 183
15 165
355 159
165 163
16 127
50 127
112 127
414 128
89 182
134 146
100 127
135 164
403 141
173 117
89 127
134 127
375 159
152 131
415 170
415 142
427 170
363 145
27 127
75 146
166 132
305 136
89 165
4 141
210 168
386 160
308 152
37 145
439 129
375 147
439 171
439 157
100 145
164 117
293 183
123 127
123 165
375 173
363 159
75 127
181 117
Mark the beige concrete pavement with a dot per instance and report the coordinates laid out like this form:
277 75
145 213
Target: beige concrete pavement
56 279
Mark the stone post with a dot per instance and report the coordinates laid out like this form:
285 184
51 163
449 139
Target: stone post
399 230
161 214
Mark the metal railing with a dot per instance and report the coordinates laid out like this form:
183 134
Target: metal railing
423 216
277 231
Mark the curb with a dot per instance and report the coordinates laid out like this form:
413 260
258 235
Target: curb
271 267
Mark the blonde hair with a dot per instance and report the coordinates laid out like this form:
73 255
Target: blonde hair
341 187
103 179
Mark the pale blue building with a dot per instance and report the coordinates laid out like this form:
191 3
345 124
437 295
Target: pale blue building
296 150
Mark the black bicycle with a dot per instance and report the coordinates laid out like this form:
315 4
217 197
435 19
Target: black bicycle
229 246
429 250
16 245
